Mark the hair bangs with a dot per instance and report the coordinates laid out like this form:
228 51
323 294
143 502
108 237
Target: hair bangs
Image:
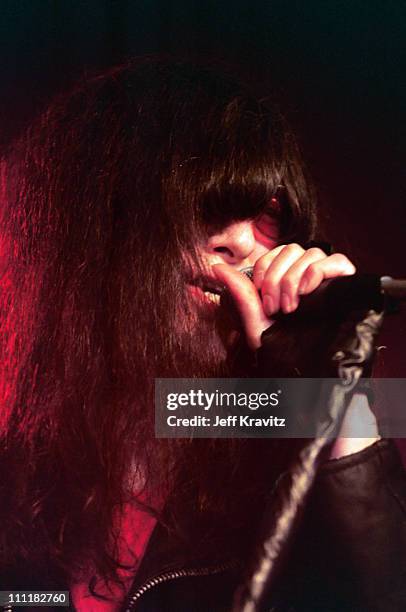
241 162
242 195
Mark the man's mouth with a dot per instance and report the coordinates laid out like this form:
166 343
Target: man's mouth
208 288
212 297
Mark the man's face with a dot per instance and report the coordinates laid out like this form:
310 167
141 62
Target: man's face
239 245
215 330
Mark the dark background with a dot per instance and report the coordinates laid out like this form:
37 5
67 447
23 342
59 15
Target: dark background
338 66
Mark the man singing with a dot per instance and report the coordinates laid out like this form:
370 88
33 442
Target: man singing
126 206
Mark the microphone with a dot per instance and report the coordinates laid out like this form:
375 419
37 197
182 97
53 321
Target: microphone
339 296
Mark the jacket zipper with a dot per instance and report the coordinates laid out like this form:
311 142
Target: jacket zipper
165 577
172 575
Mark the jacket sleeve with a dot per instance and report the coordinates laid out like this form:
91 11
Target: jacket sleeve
351 550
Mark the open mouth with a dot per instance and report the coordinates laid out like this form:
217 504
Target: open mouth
208 289
212 297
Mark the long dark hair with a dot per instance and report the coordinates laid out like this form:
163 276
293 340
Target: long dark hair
104 201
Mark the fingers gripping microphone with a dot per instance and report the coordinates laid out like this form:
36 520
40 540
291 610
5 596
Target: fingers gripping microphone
336 297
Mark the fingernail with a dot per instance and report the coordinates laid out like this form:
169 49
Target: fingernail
303 286
268 304
286 303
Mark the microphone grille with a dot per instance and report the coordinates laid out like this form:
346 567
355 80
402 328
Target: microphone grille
249 271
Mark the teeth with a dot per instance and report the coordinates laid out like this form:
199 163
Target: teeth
212 297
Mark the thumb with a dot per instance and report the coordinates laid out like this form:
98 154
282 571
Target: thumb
247 301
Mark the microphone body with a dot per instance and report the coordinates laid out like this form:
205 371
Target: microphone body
337 297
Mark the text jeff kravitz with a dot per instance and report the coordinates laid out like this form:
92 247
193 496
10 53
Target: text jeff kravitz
229 421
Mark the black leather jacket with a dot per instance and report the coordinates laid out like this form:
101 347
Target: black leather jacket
350 554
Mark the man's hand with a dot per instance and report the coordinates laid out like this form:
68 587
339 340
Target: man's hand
281 276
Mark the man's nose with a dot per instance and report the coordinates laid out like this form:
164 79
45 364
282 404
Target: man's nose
236 245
